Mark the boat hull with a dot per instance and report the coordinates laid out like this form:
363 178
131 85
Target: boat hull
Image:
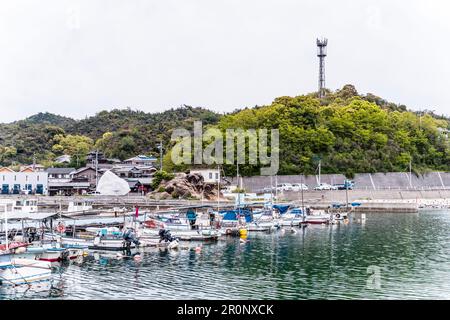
24 271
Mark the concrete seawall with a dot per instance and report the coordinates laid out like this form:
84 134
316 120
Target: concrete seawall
358 195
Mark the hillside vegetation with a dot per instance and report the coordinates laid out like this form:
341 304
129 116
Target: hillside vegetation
347 131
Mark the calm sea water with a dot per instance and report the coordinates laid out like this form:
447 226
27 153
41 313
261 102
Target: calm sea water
390 256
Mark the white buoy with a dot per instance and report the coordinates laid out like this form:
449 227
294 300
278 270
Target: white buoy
173 245
137 257
363 216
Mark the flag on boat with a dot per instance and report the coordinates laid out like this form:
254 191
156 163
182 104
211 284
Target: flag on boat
137 212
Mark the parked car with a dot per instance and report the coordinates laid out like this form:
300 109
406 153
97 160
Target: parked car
93 193
325 186
299 187
346 185
284 187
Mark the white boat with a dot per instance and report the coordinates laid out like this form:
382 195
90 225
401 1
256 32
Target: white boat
96 239
20 205
231 223
261 226
293 218
179 228
16 271
289 218
263 220
324 217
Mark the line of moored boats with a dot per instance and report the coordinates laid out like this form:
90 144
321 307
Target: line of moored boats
32 241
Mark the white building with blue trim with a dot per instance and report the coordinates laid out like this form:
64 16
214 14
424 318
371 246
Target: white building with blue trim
26 181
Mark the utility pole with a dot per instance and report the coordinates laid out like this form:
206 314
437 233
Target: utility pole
96 169
160 155
237 174
34 161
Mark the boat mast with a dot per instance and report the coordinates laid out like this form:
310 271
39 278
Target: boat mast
6 228
218 189
303 199
276 188
320 169
346 193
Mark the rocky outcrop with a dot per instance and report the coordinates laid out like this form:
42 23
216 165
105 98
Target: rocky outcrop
187 186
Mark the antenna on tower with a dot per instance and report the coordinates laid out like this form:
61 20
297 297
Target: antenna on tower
322 53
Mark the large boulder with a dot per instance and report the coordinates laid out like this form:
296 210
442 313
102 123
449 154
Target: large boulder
190 185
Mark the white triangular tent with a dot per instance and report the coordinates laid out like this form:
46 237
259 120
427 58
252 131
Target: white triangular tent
111 185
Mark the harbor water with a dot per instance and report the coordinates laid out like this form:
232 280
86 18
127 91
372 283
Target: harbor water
387 256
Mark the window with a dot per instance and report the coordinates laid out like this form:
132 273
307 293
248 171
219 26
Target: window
5 189
37 177
210 175
217 176
26 178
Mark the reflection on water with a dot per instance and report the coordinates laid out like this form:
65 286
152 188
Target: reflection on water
411 251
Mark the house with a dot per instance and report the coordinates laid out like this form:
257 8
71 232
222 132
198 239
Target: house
141 160
60 182
127 171
444 132
209 175
139 177
33 167
140 185
26 181
59 174
87 174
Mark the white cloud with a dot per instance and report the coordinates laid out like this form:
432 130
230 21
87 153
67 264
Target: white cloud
79 57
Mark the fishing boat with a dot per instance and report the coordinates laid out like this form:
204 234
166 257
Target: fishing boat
290 218
110 239
264 220
260 221
231 223
20 205
183 227
16 271
317 217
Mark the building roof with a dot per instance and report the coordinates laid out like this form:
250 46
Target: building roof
83 169
141 158
60 170
6 169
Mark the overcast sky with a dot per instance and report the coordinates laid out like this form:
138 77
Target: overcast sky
76 58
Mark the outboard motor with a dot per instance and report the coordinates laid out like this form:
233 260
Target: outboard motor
164 235
130 237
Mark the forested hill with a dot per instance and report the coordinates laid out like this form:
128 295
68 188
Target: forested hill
349 132
120 133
